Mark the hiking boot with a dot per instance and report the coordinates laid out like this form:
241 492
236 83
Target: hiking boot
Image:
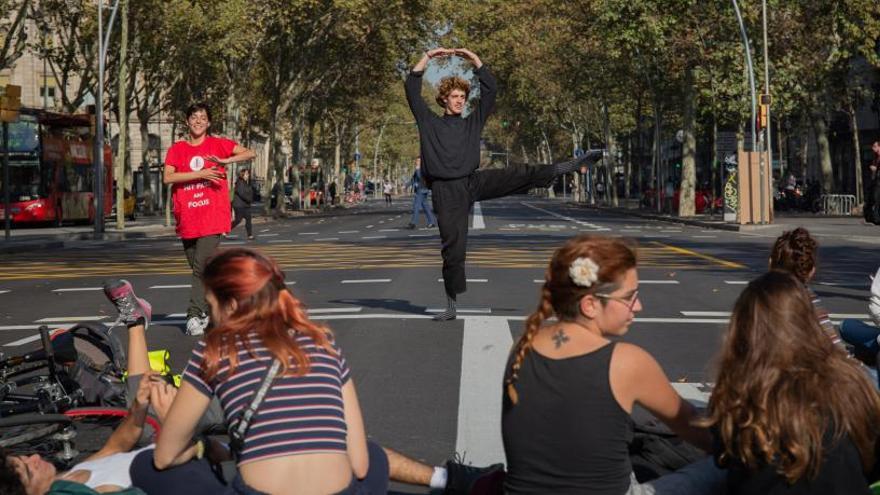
464 479
196 325
130 307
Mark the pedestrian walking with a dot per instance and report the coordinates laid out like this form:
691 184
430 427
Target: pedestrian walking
450 148
872 187
195 168
242 199
420 198
387 189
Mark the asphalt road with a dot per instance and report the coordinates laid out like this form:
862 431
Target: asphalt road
430 389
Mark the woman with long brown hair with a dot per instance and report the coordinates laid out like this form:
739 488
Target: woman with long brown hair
792 413
570 387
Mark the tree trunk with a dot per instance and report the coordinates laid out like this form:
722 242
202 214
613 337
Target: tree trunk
338 129
144 128
525 154
657 177
716 164
857 158
686 199
823 147
122 148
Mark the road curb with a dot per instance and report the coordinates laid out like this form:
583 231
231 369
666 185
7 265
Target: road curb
663 218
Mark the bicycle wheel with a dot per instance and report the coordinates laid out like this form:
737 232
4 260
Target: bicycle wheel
26 431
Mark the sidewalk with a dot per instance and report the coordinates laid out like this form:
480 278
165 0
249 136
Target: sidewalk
819 225
47 237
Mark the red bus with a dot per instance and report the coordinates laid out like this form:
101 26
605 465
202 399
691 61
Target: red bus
52 169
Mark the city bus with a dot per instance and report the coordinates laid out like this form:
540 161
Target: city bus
52 170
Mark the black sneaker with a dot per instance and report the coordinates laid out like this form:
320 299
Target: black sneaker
411 226
464 479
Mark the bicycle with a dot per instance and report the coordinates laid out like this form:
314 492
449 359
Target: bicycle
45 410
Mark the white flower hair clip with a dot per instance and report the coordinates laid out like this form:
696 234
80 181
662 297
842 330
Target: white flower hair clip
584 272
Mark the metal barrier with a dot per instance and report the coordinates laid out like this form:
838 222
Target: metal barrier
838 204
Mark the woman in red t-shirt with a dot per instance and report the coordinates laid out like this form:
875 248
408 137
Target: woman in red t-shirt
195 167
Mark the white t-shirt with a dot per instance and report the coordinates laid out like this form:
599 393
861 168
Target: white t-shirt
113 470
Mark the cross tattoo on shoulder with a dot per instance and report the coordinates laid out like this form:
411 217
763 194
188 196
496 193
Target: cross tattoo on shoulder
560 338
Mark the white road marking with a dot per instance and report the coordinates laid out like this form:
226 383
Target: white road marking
280 241
375 237
389 230
308 233
4 291
290 283
234 243
62 319
422 235
478 217
475 280
736 282
476 311
327 239
854 316
705 313
704 236
269 235
369 226
78 289
368 281
264 230
181 286
589 225
655 236
696 393
681 320
26 340
658 282
321 311
348 232
484 349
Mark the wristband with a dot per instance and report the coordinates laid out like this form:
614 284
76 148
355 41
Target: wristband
200 449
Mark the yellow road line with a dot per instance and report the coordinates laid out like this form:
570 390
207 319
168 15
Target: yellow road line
713 259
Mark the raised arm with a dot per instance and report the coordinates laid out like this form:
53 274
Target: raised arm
488 84
413 84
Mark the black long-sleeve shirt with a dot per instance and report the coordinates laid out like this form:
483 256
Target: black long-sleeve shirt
244 194
450 144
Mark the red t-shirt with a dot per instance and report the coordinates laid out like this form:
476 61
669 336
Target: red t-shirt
201 207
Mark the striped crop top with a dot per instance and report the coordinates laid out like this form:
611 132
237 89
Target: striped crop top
299 415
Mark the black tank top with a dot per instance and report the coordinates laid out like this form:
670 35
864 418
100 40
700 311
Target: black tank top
567 433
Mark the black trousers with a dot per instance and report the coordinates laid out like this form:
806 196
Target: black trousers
243 212
453 199
198 251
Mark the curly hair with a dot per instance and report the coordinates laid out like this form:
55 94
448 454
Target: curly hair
561 296
795 251
10 480
782 386
447 84
254 286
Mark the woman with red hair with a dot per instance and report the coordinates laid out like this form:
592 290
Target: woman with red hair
307 434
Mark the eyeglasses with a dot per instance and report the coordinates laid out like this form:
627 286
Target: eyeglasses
629 302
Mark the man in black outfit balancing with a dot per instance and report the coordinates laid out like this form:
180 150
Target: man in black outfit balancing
450 150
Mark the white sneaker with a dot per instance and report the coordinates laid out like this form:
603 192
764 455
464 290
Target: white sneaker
874 301
196 325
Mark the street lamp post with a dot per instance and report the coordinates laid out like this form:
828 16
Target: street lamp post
751 69
99 115
768 142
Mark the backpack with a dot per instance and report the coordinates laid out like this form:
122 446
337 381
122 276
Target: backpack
100 364
655 450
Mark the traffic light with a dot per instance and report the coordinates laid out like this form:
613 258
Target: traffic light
763 112
10 102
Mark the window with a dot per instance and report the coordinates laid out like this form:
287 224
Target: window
50 89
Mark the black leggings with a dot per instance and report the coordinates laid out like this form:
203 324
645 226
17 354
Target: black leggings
453 199
243 212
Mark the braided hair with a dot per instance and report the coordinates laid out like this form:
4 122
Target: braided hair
560 296
795 252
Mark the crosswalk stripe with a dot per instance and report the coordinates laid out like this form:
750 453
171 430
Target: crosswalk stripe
180 286
479 223
62 319
476 311
78 289
368 281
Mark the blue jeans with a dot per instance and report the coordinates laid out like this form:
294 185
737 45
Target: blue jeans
420 203
863 338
